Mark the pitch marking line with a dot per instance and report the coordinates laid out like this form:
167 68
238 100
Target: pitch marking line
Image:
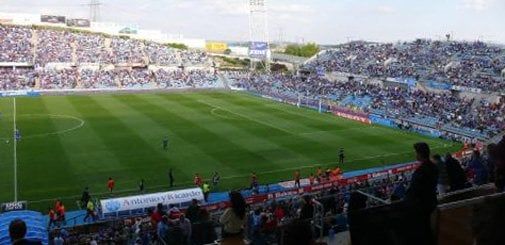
246 117
80 125
188 183
213 112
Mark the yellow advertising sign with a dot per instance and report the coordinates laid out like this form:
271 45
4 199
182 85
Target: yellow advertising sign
216 47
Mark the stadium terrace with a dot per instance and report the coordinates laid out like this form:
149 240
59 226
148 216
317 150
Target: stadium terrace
363 143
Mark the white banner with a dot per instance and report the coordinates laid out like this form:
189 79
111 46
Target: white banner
150 200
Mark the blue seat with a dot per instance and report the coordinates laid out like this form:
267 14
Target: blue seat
35 222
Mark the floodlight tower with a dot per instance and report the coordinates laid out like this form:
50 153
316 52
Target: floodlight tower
94 10
258 29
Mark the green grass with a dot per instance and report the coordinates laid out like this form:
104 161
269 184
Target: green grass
232 133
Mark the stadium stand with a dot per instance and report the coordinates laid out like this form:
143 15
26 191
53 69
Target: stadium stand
454 115
54 59
468 64
360 202
35 223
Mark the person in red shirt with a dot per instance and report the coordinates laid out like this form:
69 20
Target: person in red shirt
110 184
57 205
157 214
61 212
279 213
197 180
297 178
52 217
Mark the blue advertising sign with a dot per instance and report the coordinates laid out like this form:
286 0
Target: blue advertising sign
438 85
258 50
19 93
377 119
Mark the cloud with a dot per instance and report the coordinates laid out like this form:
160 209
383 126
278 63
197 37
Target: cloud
240 7
385 9
478 5
221 7
291 8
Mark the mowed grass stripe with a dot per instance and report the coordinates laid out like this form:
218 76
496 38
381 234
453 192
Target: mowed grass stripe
231 155
310 114
310 119
39 168
87 153
152 133
196 157
6 151
254 129
295 140
236 133
188 126
281 109
124 143
336 136
373 141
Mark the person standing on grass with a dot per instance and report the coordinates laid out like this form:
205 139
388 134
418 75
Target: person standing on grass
197 180
215 180
206 191
110 184
90 211
297 178
165 143
171 177
141 186
52 217
311 179
85 197
17 135
254 182
341 155
319 174
61 212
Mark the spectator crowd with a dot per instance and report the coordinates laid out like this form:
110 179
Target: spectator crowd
469 64
389 100
39 46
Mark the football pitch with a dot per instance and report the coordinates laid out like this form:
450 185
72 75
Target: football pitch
69 142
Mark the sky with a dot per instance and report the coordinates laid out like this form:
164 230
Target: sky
321 21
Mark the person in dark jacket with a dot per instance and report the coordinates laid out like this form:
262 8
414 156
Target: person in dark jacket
477 166
203 231
421 199
17 233
456 174
443 178
193 211
498 155
307 211
490 161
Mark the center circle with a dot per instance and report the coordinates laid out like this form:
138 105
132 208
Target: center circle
218 112
40 125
